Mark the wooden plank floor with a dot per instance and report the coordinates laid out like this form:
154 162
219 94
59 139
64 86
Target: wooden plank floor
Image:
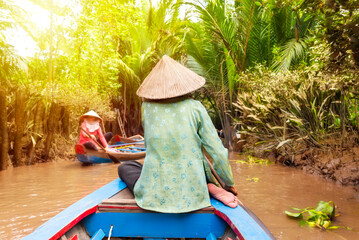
124 194
124 201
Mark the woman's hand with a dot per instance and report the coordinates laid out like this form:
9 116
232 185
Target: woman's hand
231 189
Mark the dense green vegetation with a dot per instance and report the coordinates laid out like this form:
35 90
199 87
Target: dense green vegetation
283 72
294 111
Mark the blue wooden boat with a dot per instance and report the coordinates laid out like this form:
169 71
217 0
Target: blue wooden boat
111 213
126 149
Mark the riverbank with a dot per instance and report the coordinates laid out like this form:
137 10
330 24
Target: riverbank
306 119
341 166
336 163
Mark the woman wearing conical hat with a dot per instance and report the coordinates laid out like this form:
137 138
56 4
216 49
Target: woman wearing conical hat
90 121
175 177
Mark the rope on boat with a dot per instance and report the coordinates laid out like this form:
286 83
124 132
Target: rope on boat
109 234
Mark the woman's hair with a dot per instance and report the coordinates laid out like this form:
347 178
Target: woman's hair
167 100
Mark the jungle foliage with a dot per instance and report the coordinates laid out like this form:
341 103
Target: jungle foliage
254 54
291 112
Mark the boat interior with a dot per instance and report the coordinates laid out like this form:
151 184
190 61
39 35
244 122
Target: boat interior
121 218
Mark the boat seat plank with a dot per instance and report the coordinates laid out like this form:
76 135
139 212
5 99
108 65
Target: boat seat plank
124 201
123 194
119 201
123 204
137 209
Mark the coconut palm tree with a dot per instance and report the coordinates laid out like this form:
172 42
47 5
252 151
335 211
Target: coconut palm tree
232 38
161 33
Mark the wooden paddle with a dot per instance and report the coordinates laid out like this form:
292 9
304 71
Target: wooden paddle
113 158
219 180
215 174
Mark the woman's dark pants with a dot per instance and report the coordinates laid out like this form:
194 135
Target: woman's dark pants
129 172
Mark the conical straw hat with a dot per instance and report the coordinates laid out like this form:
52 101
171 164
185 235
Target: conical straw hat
169 79
91 113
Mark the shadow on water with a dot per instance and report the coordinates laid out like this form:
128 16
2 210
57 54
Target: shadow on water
31 195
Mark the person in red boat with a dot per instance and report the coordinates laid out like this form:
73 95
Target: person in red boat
90 121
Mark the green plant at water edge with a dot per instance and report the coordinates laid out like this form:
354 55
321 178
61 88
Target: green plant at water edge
321 217
253 160
253 179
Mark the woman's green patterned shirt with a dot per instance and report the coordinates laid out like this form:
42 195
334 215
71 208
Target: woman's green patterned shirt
174 175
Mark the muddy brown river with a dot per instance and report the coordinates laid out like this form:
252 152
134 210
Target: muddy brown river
31 195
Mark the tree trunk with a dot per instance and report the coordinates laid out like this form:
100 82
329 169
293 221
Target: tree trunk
37 129
228 132
65 122
4 139
19 126
51 50
51 127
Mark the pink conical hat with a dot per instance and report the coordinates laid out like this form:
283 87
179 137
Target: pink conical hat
169 79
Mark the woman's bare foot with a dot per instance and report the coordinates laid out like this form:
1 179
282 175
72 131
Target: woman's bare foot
227 198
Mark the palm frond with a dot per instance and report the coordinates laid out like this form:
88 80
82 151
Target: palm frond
291 51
